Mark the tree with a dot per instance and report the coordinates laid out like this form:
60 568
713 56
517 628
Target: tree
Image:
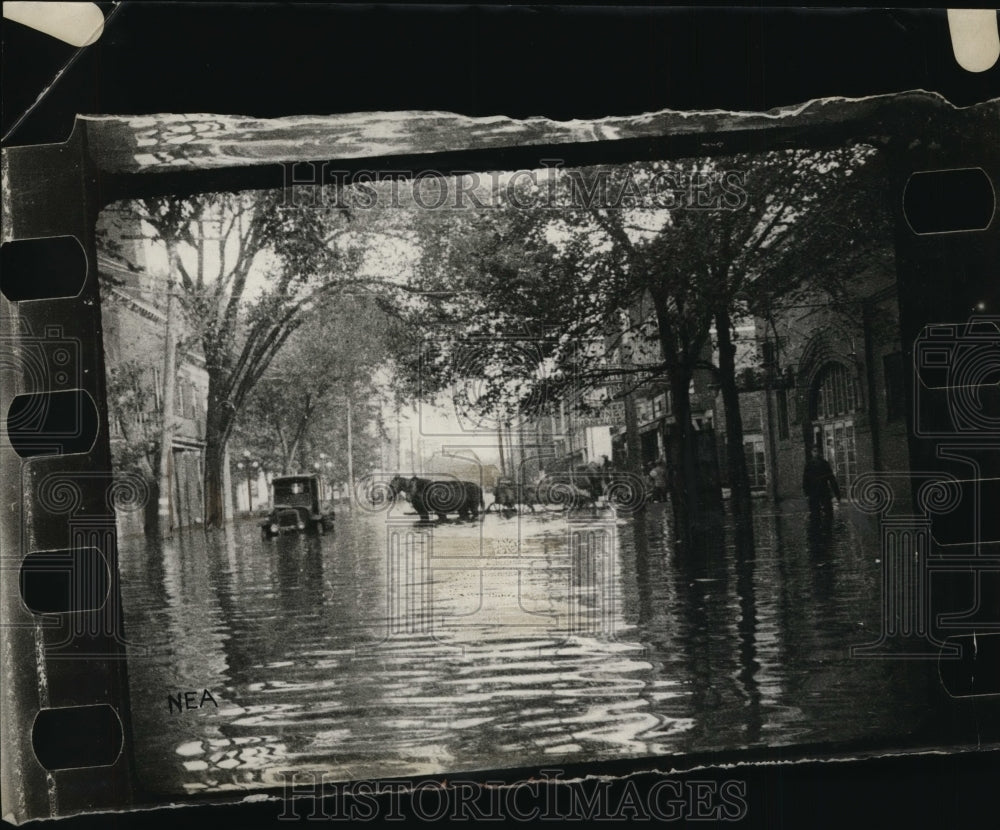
718 243
245 268
805 217
561 279
136 430
298 407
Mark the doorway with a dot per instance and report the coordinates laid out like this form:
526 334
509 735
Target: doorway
834 402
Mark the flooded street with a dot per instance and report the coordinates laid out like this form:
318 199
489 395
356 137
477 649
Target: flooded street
388 647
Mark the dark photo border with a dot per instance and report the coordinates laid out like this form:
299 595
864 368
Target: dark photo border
271 60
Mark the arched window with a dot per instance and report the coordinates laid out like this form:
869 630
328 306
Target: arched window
836 393
834 402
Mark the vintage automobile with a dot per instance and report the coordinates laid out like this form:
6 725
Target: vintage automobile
296 508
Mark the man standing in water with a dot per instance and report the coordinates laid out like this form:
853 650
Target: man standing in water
819 484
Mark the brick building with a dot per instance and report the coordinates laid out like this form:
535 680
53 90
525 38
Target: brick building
819 373
834 377
640 348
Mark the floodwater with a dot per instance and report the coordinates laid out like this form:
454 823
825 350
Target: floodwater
390 648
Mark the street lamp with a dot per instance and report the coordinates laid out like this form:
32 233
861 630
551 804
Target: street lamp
318 467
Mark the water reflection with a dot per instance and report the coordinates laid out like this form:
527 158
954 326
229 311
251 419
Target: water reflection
561 648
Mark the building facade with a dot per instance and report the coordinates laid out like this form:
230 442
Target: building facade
814 373
134 320
648 394
834 378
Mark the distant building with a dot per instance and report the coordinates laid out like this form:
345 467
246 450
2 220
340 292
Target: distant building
819 373
464 465
571 427
549 441
639 348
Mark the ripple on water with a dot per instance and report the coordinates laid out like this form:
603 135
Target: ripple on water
697 655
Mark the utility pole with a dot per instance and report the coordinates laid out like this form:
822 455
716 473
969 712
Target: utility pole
510 448
633 452
771 362
350 456
541 450
167 401
503 464
564 415
510 451
399 441
520 446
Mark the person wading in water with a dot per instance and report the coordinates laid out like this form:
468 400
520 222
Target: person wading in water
819 484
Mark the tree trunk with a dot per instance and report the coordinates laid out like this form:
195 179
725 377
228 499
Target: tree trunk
218 422
151 510
289 457
685 481
739 478
285 454
215 454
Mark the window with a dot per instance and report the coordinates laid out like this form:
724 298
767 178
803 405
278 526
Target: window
895 393
835 399
644 410
836 442
179 395
753 450
847 461
836 392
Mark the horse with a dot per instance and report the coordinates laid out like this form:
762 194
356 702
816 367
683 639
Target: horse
441 496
